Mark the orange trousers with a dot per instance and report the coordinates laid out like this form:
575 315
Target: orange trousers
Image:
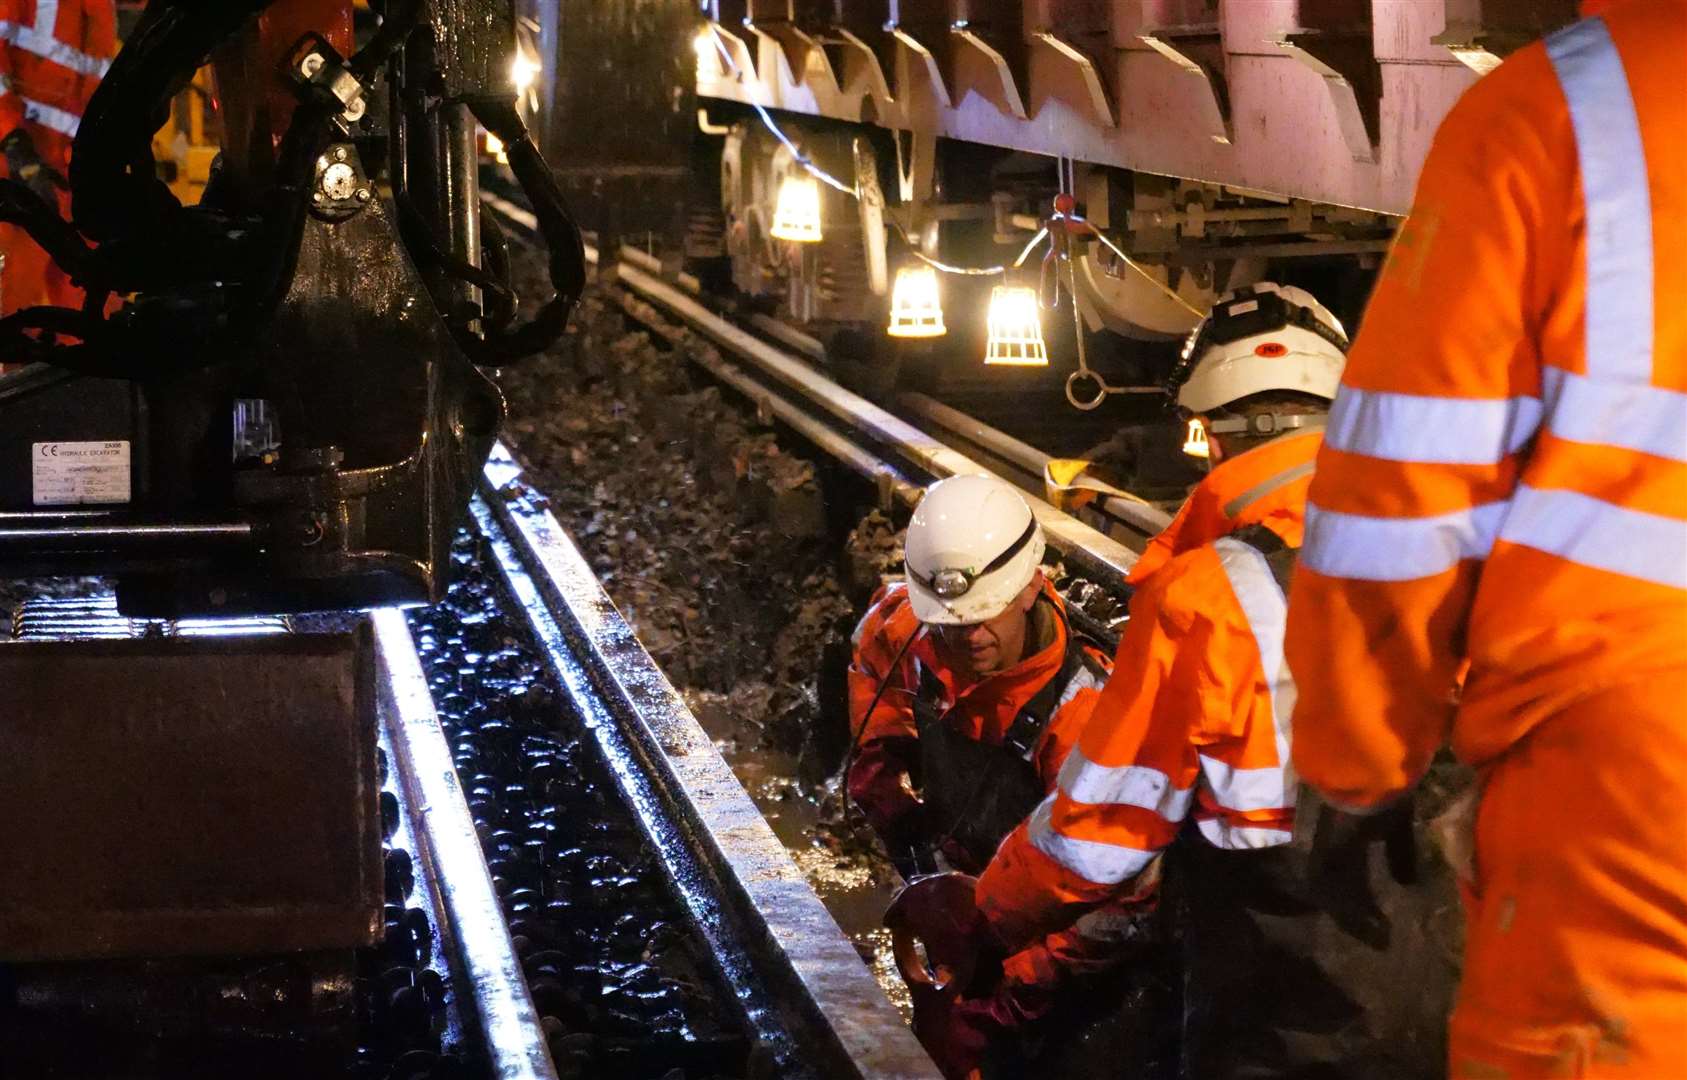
1576 954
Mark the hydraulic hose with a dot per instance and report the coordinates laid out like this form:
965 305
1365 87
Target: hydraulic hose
562 238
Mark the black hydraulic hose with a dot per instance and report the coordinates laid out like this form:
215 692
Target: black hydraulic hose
562 237
500 304
115 189
21 206
419 241
91 357
308 135
398 22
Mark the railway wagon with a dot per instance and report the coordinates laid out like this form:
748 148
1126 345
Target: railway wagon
859 165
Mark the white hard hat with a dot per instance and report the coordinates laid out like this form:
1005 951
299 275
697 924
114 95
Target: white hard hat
1260 338
972 547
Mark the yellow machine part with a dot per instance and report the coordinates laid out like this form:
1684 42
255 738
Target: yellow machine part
189 140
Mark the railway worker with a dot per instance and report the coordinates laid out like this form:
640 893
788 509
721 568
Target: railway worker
966 668
53 54
967 689
1191 736
1504 491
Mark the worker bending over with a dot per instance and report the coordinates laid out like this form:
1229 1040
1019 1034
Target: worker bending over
1193 730
1504 486
967 691
53 54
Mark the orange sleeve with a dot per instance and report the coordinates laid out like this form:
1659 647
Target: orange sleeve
883 733
1439 402
880 636
1123 792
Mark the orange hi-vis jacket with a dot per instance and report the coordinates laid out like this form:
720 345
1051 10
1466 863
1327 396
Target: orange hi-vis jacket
1504 477
53 56
1194 722
982 709
1265 486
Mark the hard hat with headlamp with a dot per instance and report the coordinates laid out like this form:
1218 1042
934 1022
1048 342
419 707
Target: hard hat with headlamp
971 548
1261 339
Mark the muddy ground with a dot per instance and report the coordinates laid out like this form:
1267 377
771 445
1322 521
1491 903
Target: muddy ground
742 563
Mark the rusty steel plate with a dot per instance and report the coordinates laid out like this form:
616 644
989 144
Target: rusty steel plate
188 797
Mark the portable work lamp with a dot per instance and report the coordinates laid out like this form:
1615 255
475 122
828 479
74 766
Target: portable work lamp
916 310
797 214
1016 331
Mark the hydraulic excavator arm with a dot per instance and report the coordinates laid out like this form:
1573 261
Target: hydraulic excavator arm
284 406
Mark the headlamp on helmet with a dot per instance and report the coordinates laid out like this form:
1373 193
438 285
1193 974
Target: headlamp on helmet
972 547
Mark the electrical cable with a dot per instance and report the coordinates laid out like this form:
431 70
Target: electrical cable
1064 166
855 739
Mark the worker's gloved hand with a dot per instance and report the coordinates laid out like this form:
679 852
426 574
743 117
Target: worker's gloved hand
1340 865
879 783
907 840
959 1032
24 164
940 939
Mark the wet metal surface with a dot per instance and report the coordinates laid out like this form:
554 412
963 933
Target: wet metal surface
381 1013
456 867
802 985
137 776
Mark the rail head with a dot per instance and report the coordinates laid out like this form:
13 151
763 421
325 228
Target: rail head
450 850
802 986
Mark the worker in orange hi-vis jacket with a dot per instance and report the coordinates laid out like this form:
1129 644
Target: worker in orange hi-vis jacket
967 689
1192 735
52 56
1503 489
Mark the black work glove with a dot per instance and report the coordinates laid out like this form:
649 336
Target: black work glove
1340 865
908 842
24 164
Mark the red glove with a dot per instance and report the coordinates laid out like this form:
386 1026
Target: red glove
879 784
957 1032
962 1033
963 1004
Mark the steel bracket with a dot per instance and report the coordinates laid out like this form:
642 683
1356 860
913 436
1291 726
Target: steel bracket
1199 51
1347 63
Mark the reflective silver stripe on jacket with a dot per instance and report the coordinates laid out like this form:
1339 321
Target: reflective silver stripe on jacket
1612 158
1615 403
33 40
39 112
1266 610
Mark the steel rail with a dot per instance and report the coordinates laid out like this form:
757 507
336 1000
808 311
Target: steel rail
1100 555
802 988
491 1004
1090 551
891 481
456 874
1135 515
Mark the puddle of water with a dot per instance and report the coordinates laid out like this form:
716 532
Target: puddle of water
855 888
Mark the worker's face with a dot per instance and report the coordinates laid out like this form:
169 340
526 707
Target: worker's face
1215 444
993 644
